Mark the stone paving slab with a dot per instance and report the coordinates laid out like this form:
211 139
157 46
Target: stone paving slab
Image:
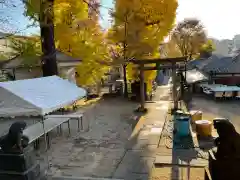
138 161
190 153
177 160
134 162
134 176
177 173
95 153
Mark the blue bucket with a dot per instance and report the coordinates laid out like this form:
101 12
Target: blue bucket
182 126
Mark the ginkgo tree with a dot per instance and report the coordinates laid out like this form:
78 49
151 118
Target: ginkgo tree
27 47
207 49
79 36
140 27
189 35
93 52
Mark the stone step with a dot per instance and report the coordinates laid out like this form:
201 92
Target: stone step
79 178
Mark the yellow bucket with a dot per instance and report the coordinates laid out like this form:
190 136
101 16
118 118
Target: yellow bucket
195 116
203 128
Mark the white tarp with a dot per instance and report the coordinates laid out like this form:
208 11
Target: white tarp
37 96
194 76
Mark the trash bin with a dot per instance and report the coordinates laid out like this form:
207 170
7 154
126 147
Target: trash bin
195 116
204 128
182 126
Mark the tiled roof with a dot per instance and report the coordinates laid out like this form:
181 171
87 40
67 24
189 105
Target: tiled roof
18 60
234 66
215 63
62 57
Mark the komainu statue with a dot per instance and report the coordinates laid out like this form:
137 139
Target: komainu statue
228 142
14 141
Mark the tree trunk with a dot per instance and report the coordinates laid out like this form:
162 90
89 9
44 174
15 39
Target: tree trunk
49 62
125 80
142 89
98 87
125 58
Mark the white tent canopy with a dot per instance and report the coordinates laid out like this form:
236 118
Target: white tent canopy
38 96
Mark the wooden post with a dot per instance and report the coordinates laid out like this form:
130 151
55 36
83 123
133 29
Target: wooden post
14 74
174 87
142 92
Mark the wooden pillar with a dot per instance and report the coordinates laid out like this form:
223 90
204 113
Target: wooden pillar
174 87
142 93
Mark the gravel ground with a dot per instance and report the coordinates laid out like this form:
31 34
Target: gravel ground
212 109
97 151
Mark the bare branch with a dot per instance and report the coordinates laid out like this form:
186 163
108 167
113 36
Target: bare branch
14 33
94 7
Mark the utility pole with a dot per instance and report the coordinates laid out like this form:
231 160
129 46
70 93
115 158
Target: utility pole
174 87
49 62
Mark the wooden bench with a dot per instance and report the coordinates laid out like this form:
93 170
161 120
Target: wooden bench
35 131
78 117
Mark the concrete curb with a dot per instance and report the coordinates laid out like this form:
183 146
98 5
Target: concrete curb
139 120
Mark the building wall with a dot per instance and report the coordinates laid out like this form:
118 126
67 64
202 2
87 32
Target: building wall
234 80
5 47
27 74
65 72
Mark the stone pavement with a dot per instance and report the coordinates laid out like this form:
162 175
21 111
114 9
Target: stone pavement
111 149
142 146
98 151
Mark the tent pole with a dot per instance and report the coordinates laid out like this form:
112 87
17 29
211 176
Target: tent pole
45 139
45 135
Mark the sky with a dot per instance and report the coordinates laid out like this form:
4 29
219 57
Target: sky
219 17
105 20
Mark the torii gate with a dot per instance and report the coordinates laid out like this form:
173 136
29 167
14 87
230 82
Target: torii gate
158 62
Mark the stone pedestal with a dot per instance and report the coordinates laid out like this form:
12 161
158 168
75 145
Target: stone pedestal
19 166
